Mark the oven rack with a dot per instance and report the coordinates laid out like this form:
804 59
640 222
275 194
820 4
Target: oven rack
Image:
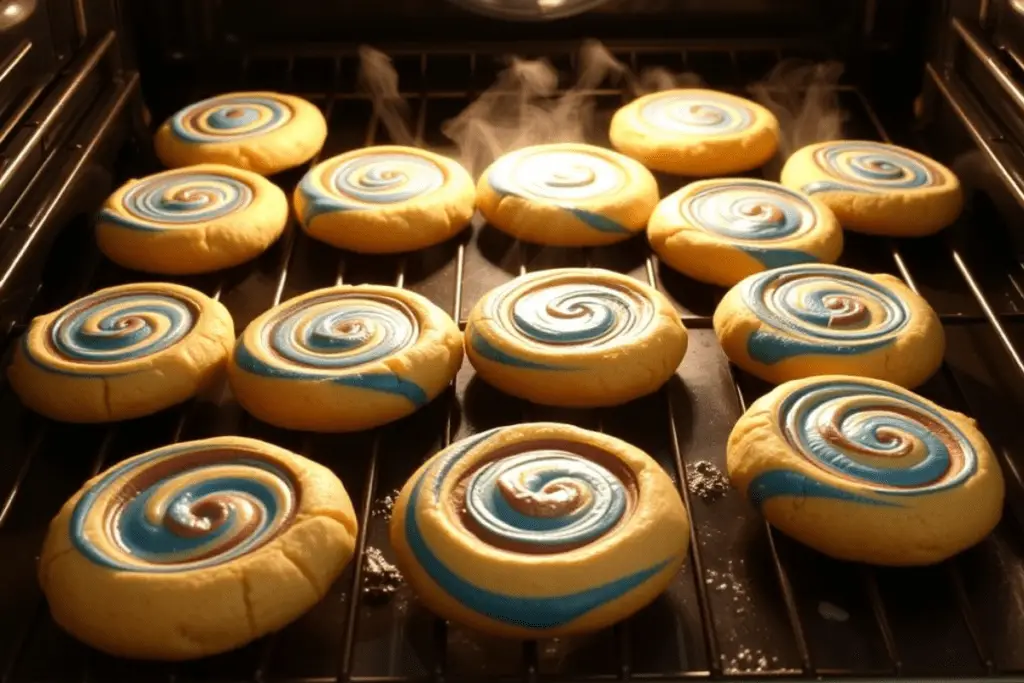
893 622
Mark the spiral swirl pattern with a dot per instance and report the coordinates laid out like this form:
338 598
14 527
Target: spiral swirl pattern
544 499
540 497
112 327
871 167
184 507
230 117
333 336
749 211
886 442
556 175
369 180
696 113
821 309
179 199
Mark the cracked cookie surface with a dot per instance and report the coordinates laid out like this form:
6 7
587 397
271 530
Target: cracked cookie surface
195 548
196 219
122 352
575 337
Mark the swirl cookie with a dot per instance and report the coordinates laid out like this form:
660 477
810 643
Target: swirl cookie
539 530
820 319
877 188
122 352
345 358
864 470
385 199
191 220
567 195
195 548
575 337
263 132
720 231
695 132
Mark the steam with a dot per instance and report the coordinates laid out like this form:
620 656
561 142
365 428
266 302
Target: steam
379 80
804 97
525 106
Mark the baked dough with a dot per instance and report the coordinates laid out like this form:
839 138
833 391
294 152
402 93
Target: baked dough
575 337
720 231
867 471
345 358
122 352
263 132
877 188
539 530
820 319
195 219
568 195
385 199
195 548
695 132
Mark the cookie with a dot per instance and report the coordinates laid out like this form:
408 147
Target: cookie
195 548
877 188
720 231
345 358
386 199
864 470
821 319
575 337
695 132
567 195
122 352
539 530
191 220
263 132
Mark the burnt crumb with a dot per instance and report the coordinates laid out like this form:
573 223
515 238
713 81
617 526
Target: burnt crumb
832 612
383 506
381 579
705 480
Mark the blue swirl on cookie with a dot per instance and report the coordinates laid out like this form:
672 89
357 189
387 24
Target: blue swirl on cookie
555 313
753 214
368 180
542 497
108 328
331 337
697 112
184 507
179 199
820 309
227 118
870 167
884 443
561 178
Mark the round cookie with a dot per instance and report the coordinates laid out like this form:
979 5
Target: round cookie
567 195
191 220
539 530
263 132
720 231
695 132
195 548
345 358
575 337
122 352
818 319
385 199
877 188
864 470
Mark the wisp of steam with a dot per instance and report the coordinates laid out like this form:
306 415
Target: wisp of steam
804 98
525 107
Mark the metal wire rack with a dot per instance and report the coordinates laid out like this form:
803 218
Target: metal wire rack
749 603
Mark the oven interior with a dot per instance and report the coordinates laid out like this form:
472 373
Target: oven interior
750 603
